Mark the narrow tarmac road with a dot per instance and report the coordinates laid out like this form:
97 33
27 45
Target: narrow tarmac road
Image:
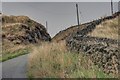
15 68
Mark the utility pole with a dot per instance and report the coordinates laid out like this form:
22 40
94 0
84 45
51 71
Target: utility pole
119 6
46 26
77 14
111 7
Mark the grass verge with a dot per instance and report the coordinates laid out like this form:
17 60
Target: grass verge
52 60
14 54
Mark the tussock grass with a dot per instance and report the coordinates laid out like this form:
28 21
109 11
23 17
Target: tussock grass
52 60
107 29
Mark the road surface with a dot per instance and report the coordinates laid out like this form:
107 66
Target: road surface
15 68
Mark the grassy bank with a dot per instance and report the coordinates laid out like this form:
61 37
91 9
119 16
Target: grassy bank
52 60
10 55
107 29
10 50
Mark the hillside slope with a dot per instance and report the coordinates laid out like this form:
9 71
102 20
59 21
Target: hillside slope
107 29
21 29
75 54
100 43
19 32
90 26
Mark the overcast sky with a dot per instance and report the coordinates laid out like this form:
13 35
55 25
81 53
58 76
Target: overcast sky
59 15
58 0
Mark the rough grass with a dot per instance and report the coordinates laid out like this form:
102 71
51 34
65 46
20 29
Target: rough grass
107 29
52 60
12 28
19 19
14 54
10 50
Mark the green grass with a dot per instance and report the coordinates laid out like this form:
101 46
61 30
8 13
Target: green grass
14 54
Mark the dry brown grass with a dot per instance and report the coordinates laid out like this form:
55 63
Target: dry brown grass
12 30
52 60
8 46
44 53
14 19
11 50
107 29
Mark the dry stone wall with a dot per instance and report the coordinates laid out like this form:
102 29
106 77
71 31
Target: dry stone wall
104 52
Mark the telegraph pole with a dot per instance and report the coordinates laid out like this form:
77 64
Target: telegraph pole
111 7
77 14
46 26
